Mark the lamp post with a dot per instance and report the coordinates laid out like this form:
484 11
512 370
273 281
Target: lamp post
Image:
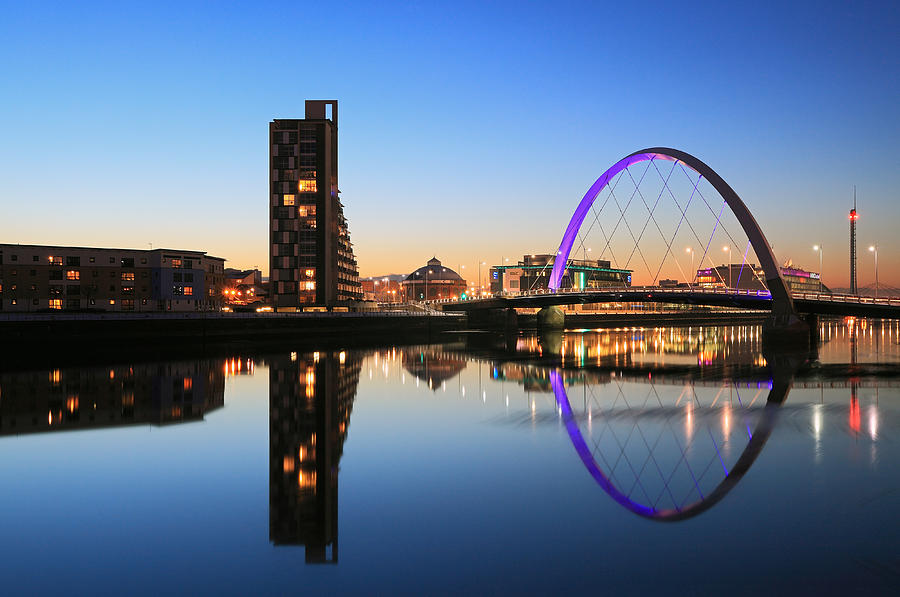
693 274
728 248
480 284
820 249
874 250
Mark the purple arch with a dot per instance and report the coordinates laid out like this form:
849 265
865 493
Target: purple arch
782 304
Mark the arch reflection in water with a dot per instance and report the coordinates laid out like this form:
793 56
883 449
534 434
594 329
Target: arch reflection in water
310 401
671 456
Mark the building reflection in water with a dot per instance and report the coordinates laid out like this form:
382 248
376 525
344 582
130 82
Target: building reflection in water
310 401
91 397
433 365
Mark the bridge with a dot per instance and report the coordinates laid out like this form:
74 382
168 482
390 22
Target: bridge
804 302
690 209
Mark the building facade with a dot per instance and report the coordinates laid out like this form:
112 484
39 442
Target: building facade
433 281
750 276
311 262
42 278
533 273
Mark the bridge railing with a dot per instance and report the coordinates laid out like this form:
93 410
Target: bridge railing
630 292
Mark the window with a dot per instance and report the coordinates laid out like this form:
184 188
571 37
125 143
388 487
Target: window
309 286
55 303
73 289
52 260
32 272
143 274
177 263
188 291
112 288
306 186
95 274
13 257
143 301
128 304
13 302
127 289
112 301
73 275
128 276
73 260
189 277
35 258
127 261
178 290
112 259
143 260
73 303
93 259
289 200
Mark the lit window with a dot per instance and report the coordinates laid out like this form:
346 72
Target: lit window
176 263
73 275
127 276
188 290
310 273
56 303
112 301
301 211
54 260
306 186
289 200
309 286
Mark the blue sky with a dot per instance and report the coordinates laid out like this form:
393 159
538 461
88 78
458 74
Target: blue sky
467 130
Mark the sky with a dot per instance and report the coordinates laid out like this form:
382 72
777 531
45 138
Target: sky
468 131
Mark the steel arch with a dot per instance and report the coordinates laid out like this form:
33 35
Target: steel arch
782 303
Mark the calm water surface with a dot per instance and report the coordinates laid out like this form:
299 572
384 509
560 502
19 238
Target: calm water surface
656 460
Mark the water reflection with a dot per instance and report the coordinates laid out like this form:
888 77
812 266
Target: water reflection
666 422
62 399
310 401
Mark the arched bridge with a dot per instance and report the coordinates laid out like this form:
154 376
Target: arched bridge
619 219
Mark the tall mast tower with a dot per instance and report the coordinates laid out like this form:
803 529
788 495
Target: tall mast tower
853 216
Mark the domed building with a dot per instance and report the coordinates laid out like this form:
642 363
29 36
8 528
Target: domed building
433 281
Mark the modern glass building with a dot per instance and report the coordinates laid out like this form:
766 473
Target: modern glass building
533 273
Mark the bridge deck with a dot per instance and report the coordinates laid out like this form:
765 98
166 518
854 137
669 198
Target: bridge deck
808 302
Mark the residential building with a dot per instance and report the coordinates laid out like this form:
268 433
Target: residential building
42 277
311 262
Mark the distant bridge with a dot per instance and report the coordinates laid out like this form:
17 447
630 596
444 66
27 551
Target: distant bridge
804 302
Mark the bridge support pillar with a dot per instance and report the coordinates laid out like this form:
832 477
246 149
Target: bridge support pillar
551 318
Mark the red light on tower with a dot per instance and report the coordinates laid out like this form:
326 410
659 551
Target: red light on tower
853 215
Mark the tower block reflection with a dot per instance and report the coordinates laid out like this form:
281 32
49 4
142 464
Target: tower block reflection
310 401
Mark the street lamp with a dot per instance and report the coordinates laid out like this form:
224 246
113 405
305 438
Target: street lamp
874 250
693 275
820 249
480 284
728 248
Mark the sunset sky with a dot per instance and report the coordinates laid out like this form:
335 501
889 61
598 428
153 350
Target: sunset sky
467 131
